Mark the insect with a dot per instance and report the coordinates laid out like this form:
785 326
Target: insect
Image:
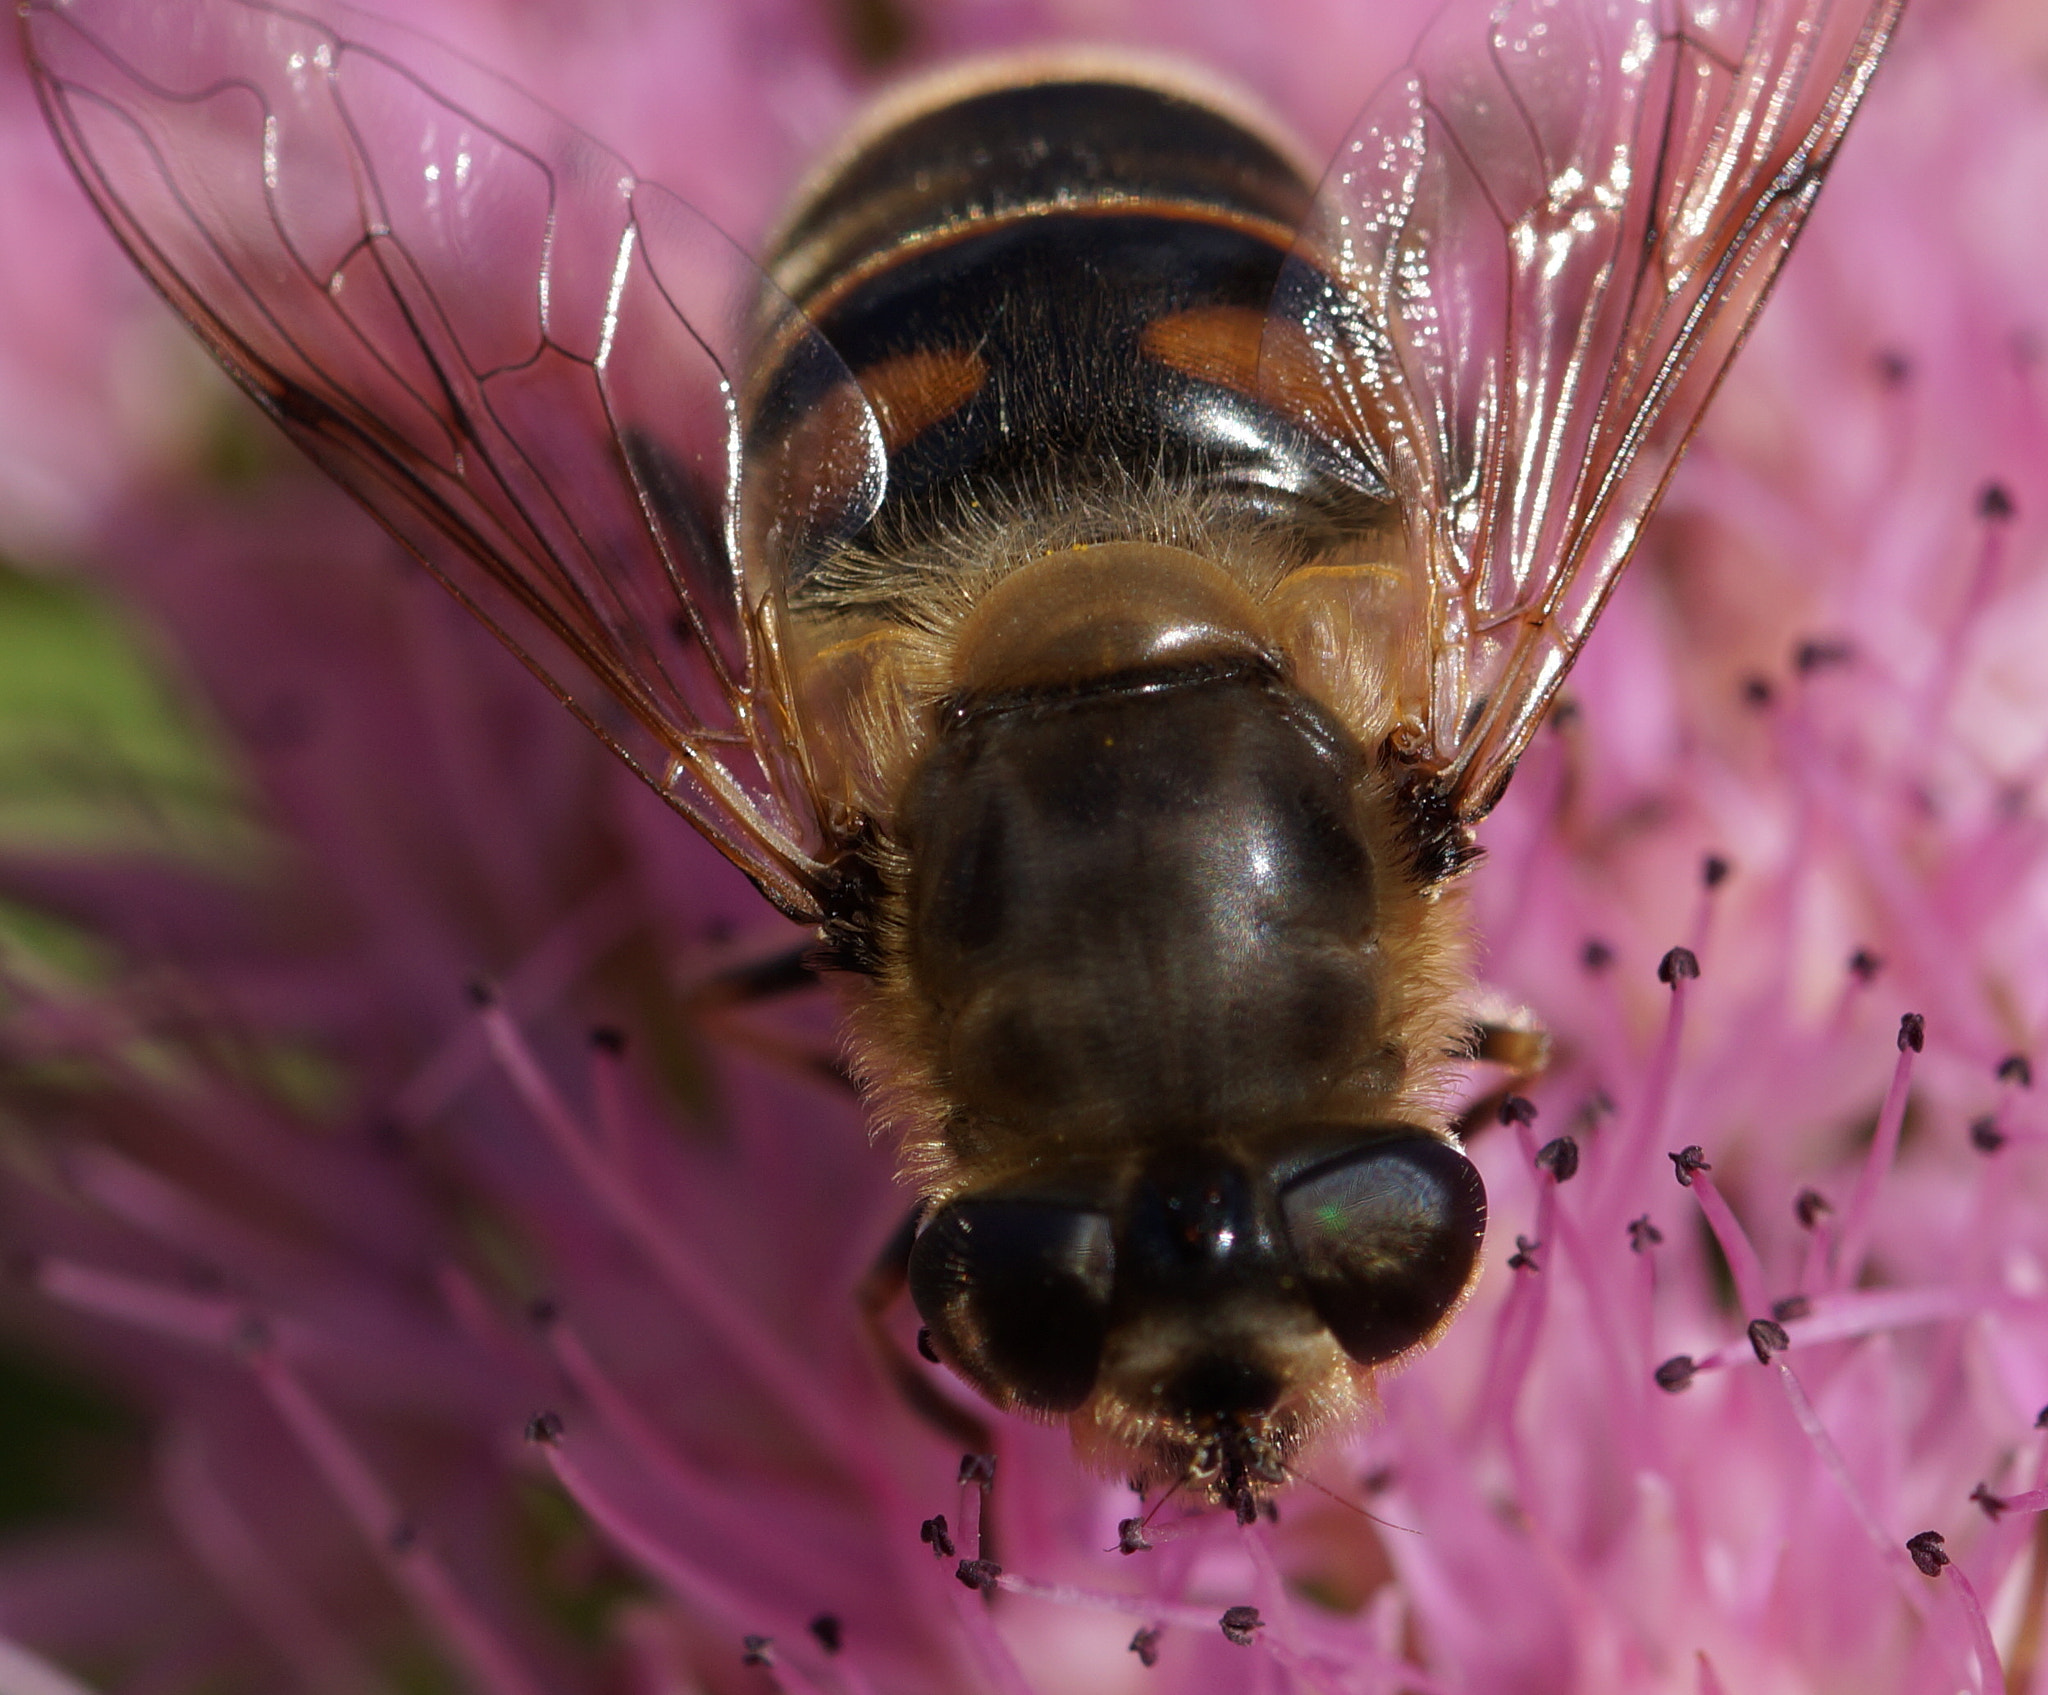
1094 575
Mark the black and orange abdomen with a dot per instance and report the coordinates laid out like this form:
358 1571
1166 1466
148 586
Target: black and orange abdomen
1054 291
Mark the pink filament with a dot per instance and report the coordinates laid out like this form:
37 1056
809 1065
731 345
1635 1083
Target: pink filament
1751 1291
1890 1550
1991 1675
1632 1150
418 1571
1857 1218
251 1575
684 1578
701 1293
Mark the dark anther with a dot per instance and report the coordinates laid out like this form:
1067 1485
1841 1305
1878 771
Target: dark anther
1596 955
1524 1256
2016 1068
1894 369
1643 1234
1240 1624
1679 965
1130 1536
252 1336
757 1650
1929 1552
389 1136
1791 1309
480 992
1689 1162
608 1038
1994 502
1597 1106
541 1311
284 722
1993 1505
545 1428
1146 1646
978 1468
1269 1510
1559 1157
1865 965
1767 1336
403 1536
877 32
1514 1109
1912 1032
2041 1419
1379 1480
1714 871
1809 1207
1757 692
979 1574
1812 656
831 1634
1564 712
1985 1136
925 1350
1675 1373
934 1533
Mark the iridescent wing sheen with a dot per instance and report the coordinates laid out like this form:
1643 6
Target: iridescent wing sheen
1526 273
519 356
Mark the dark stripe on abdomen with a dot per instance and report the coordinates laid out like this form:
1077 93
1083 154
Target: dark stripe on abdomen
1069 142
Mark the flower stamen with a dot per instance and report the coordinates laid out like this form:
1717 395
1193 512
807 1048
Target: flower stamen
1853 1243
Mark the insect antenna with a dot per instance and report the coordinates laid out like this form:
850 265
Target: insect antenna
1152 1511
1363 1512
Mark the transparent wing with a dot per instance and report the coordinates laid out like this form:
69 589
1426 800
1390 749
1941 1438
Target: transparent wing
517 354
1527 271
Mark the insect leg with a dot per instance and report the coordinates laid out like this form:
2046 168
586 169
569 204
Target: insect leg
733 989
755 980
878 1292
1512 1042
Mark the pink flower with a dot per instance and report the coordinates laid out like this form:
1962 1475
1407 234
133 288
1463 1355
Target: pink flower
511 1337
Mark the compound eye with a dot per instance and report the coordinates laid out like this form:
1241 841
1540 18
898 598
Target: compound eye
1016 1293
1386 1235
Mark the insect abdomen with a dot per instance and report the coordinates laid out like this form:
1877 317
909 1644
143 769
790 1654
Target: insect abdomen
1050 287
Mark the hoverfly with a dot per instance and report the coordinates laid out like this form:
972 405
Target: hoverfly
1094 575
